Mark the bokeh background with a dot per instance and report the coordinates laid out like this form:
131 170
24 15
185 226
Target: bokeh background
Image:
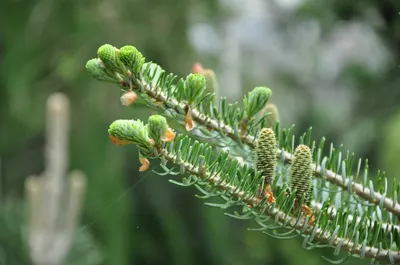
331 64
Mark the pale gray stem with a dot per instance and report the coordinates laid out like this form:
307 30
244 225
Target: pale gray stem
56 153
77 186
54 206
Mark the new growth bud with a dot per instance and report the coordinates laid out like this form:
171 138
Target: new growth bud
301 173
256 100
197 68
131 58
157 126
209 75
130 131
108 54
194 87
211 81
266 155
98 71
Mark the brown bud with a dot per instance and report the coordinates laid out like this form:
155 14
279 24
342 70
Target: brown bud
197 68
151 141
189 123
128 98
169 136
115 140
145 163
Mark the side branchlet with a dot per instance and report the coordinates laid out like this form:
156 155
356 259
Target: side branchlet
256 100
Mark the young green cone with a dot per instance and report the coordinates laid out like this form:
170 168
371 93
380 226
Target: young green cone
266 155
301 173
273 115
266 162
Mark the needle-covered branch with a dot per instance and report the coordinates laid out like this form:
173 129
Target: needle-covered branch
184 101
217 175
361 219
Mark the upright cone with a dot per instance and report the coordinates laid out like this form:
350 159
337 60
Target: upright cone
301 173
266 155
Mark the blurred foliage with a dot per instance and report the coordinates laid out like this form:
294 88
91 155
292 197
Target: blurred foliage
377 92
390 146
136 218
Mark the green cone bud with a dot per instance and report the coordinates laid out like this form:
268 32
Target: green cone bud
256 100
194 87
157 126
108 54
97 70
301 173
131 58
211 81
266 155
273 115
130 130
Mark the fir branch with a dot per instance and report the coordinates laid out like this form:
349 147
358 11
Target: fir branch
214 178
319 235
250 140
356 223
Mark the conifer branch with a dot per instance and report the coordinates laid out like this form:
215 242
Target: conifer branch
362 220
281 217
359 239
212 124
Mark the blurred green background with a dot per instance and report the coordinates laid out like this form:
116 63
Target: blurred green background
332 64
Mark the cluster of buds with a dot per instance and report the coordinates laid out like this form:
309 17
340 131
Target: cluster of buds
148 138
117 66
113 62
